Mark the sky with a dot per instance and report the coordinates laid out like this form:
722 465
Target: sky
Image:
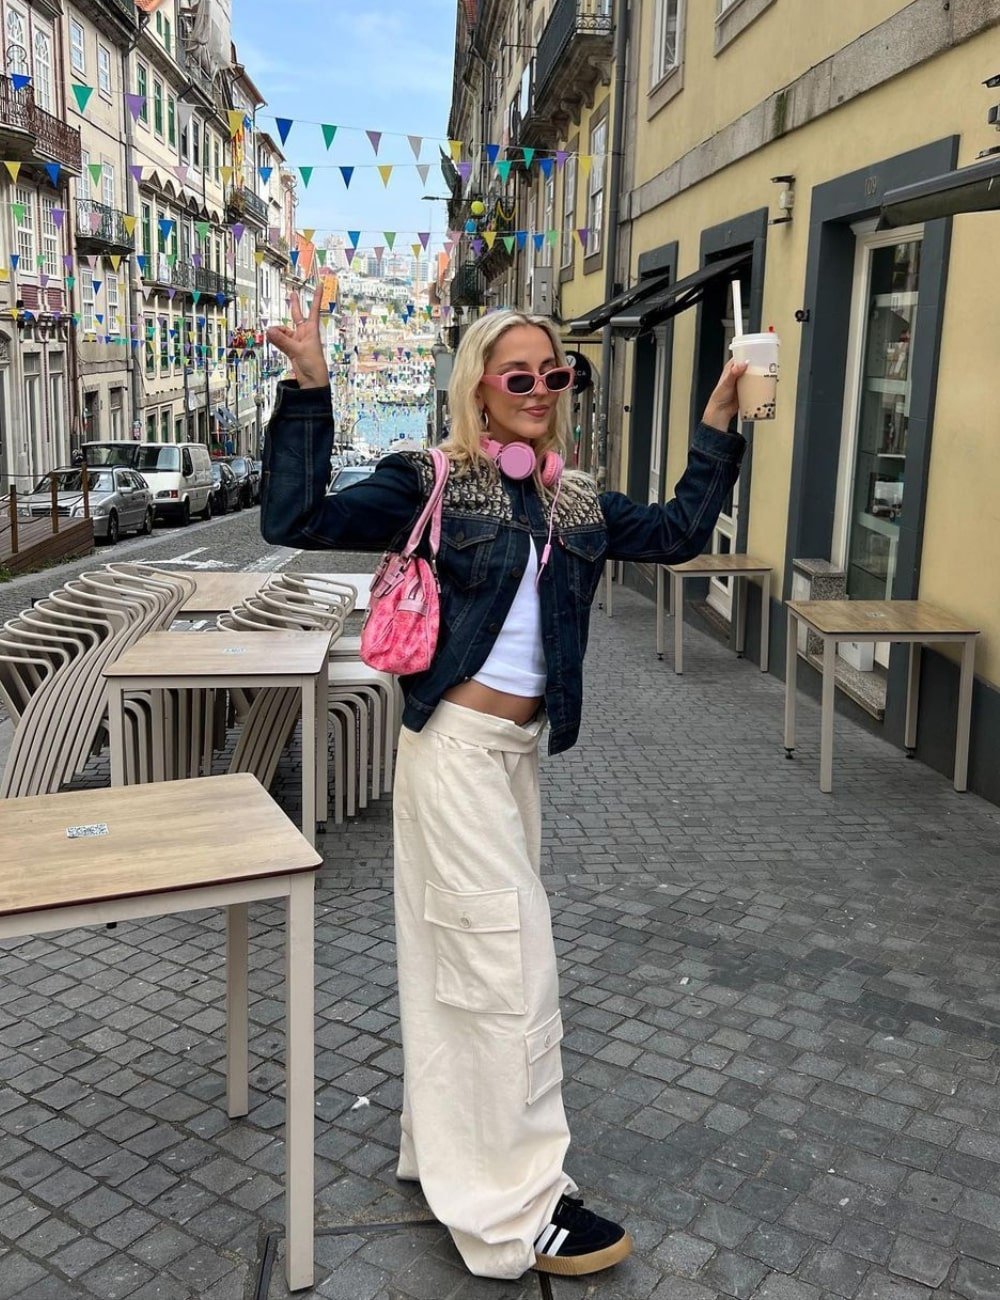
380 65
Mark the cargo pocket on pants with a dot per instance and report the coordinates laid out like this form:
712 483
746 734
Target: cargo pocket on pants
544 1058
477 944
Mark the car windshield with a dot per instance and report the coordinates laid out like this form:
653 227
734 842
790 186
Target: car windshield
217 472
152 459
110 453
240 465
71 480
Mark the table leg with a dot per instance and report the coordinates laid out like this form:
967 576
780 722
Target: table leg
677 601
912 699
116 730
659 611
158 706
299 1083
765 621
826 715
322 687
309 728
791 672
740 593
964 726
237 1010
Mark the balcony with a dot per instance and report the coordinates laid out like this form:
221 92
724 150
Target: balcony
211 283
29 134
117 19
468 288
100 229
574 56
244 205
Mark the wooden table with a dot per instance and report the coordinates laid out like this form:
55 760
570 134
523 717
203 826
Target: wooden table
740 567
159 849
910 621
217 591
187 661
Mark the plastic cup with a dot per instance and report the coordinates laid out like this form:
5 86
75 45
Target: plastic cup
757 387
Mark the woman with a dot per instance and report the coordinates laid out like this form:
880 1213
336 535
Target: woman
523 545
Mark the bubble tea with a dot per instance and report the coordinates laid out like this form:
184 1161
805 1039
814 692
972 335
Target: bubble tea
757 387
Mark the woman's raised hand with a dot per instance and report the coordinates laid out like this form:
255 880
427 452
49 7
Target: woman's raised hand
723 403
302 344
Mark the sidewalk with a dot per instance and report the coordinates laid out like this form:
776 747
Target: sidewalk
782 1034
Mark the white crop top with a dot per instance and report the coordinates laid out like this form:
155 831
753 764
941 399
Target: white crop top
516 664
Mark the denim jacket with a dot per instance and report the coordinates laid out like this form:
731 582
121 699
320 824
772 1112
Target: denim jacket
488 522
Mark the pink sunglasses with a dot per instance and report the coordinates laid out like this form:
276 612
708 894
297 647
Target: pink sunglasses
519 383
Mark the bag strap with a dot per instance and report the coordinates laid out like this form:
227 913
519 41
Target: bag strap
433 509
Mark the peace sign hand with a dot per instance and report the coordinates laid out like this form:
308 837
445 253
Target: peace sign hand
302 345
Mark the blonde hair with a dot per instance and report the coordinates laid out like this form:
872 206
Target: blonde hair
464 444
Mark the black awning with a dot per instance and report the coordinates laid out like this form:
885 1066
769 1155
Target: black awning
638 292
685 293
968 189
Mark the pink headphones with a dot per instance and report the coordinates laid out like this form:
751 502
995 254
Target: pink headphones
517 460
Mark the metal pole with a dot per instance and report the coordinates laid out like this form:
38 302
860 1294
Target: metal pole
614 210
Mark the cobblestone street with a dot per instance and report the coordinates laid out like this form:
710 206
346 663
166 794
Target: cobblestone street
782 1053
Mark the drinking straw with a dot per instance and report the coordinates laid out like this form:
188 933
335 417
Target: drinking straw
737 309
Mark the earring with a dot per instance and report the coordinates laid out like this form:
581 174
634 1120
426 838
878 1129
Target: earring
486 419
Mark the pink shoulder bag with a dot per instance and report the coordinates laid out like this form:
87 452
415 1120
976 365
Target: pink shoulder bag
401 628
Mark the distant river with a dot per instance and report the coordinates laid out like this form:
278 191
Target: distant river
386 424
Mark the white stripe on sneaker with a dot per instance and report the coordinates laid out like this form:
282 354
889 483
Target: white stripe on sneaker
546 1235
557 1245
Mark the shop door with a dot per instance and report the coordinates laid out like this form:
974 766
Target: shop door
876 413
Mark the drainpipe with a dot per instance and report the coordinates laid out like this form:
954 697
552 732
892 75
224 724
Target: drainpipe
132 296
614 209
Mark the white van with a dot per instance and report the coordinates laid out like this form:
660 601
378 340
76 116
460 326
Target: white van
179 474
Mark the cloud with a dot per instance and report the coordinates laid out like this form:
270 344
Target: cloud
388 55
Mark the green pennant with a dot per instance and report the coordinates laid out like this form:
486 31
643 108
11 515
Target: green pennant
171 259
196 298
82 94
321 256
96 172
202 227
70 282
40 259
508 243
306 174
503 170
328 133
18 210
390 238
552 236
529 157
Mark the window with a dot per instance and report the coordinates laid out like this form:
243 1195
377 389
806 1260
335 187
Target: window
147 229
113 303
171 120
104 71
178 429
595 195
164 346
87 298
57 414
158 106
165 424
167 40
186 242
26 230
77 49
17 42
50 237
150 421
216 169
42 79
142 88
108 185
83 180
666 38
32 400
569 210
196 144
150 325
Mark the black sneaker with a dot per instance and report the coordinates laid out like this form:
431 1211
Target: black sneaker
578 1241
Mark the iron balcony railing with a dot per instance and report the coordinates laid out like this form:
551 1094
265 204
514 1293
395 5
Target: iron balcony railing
212 283
48 138
109 231
468 288
569 19
244 203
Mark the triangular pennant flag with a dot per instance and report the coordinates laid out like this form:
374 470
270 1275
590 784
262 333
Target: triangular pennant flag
423 170
70 282
477 246
347 173
95 219
390 238
143 261
455 149
115 260
545 166
53 170
306 174
529 157
258 256
284 125
378 250
265 173
19 210
235 118
508 243
136 105
416 144
321 256
14 168
181 172
58 217
416 250
201 229
385 171
81 95
561 156
68 261
128 222
553 237
14 260
585 159
503 170
226 172
464 170
376 138
136 173
583 234
424 237
98 316
328 133
196 296
96 172
489 238
237 228
293 257
538 238
166 226
492 153
522 237
19 80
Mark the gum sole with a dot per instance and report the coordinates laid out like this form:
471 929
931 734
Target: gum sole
578 1265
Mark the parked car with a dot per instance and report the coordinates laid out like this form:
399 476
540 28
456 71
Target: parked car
120 500
226 494
348 476
179 474
246 471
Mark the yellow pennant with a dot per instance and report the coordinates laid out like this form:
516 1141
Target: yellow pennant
115 260
258 256
235 116
489 238
417 249
308 233
385 171
129 224
585 160
226 172
4 273
456 149
13 168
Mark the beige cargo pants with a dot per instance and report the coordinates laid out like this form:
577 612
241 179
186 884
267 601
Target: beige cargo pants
483 1125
